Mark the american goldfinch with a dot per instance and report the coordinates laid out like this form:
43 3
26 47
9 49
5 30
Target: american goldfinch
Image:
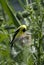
18 33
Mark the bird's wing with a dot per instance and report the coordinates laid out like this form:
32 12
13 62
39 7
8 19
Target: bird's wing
16 32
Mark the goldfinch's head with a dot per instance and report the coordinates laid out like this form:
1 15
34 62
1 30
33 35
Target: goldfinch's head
23 28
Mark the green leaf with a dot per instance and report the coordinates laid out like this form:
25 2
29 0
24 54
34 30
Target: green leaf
12 16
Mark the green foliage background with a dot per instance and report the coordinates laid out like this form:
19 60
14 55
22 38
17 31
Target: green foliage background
32 15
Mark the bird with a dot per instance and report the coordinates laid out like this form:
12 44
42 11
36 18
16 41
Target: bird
18 33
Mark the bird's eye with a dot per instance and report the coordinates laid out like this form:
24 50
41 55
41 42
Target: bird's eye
24 30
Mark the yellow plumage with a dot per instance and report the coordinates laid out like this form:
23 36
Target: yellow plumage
21 32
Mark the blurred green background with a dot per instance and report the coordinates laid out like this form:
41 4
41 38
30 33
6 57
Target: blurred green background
14 13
